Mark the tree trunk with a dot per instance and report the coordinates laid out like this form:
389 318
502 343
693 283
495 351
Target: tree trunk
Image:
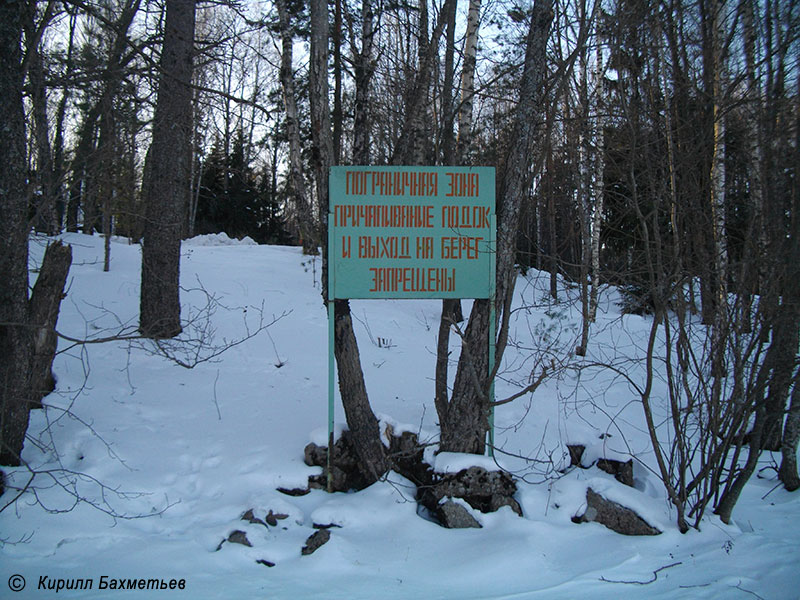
718 160
45 204
468 81
43 311
447 112
551 224
585 193
791 431
302 212
783 352
791 435
106 182
15 346
409 149
167 193
58 141
338 113
363 68
80 169
599 170
361 420
467 421
733 490
451 308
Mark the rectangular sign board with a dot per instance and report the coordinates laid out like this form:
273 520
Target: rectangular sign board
411 232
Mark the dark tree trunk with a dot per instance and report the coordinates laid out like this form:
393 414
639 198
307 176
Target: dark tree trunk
45 204
361 420
451 155
791 431
338 113
791 435
410 147
464 429
167 194
783 352
79 184
448 139
15 346
43 310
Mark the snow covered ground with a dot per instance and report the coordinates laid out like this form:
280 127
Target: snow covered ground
171 458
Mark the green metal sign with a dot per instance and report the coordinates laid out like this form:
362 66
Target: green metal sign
411 232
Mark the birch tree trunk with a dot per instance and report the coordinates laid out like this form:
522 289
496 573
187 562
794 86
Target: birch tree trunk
468 81
363 67
717 199
302 212
599 172
59 162
584 190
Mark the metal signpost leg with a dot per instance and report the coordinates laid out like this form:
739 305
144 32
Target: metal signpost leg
491 340
331 341
331 380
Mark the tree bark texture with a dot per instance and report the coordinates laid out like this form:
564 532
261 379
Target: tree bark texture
454 152
363 69
361 421
45 205
448 111
43 309
468 81
791 435
167 193
791 430
464 429
599 169
15 347
301 204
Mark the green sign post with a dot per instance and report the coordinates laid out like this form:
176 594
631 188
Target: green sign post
410 232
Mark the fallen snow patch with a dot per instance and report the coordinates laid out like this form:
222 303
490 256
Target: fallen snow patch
455 462
219 239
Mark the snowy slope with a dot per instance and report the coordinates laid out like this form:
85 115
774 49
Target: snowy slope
171 458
